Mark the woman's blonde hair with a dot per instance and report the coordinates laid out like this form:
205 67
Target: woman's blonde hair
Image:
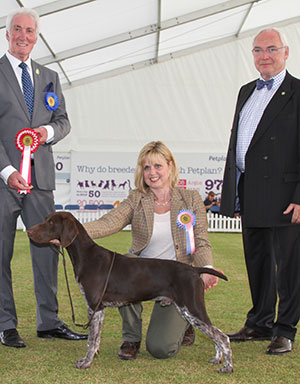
153 149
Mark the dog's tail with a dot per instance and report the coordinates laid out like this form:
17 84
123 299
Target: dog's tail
211 271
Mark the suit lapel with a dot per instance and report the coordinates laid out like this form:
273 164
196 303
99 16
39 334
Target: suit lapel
177 203
148 207
38 91
9 73
275 106
243 97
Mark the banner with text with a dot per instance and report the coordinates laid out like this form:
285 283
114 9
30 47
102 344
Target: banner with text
107 178
62 161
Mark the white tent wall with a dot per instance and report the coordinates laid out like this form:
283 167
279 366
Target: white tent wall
178 101
187 102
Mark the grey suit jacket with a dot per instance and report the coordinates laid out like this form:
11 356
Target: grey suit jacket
272 162
14 116
138 210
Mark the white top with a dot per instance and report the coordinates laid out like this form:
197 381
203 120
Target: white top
161 245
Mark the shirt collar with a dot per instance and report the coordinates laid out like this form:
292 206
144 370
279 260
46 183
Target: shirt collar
15 62
278 79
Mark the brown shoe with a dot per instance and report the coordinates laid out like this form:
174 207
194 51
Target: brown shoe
279 345
129 350
189 337
248 334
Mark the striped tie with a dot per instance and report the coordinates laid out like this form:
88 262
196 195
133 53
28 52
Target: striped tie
27 88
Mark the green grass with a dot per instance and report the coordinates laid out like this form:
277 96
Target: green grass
52 361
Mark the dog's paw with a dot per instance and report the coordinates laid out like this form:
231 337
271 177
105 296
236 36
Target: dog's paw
83 363
226 369
215 360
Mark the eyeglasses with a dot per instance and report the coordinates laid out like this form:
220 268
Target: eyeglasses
270 51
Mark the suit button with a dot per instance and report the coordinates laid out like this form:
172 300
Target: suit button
272 138
265 157
266 177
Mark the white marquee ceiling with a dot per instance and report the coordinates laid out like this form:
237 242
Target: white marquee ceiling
85 40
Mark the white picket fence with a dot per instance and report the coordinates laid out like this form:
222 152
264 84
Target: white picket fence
219 223
216 222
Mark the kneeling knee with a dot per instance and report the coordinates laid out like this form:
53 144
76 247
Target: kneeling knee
161 350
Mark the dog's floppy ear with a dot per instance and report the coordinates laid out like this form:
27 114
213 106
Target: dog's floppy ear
69 232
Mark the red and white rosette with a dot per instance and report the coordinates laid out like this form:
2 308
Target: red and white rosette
27 141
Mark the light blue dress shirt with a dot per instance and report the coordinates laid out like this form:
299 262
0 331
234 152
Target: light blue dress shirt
250 116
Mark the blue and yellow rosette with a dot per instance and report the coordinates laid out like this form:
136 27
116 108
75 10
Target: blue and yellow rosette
186 220
51 101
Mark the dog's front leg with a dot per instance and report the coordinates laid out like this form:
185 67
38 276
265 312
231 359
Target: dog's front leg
93 343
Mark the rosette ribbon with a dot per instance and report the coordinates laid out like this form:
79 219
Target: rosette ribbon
27 141
186 220
51 101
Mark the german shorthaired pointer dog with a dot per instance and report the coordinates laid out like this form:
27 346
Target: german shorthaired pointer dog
131 279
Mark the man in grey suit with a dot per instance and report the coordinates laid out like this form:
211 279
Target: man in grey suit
51 125
262 173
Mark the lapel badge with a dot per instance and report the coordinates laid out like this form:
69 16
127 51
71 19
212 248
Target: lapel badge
282 93
37 71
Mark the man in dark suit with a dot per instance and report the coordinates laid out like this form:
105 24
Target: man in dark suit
51 125
262 174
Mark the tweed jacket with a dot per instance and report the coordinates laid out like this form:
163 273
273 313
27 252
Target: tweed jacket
138 210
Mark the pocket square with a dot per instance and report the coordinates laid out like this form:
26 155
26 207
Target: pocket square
49 87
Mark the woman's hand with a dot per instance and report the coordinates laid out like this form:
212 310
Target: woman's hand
210 280
55 242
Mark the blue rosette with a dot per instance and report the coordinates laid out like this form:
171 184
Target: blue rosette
51 101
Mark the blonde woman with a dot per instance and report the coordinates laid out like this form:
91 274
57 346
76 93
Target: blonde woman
154 209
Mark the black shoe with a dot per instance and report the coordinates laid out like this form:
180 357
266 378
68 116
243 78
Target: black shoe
248 334
279 345
11 338
62 332
189 336
129 350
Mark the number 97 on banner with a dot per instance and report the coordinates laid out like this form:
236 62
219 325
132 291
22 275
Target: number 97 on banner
213 184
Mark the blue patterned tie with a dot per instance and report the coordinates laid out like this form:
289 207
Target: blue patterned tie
27 88
261 83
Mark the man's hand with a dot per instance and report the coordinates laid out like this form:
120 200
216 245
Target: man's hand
16 181
296 213
42 134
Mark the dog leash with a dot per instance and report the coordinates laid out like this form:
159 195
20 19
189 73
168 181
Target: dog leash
85 326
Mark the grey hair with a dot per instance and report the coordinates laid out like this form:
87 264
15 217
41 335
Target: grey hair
23 11
280 34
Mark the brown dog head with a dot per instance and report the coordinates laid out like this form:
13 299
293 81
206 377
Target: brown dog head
58 228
